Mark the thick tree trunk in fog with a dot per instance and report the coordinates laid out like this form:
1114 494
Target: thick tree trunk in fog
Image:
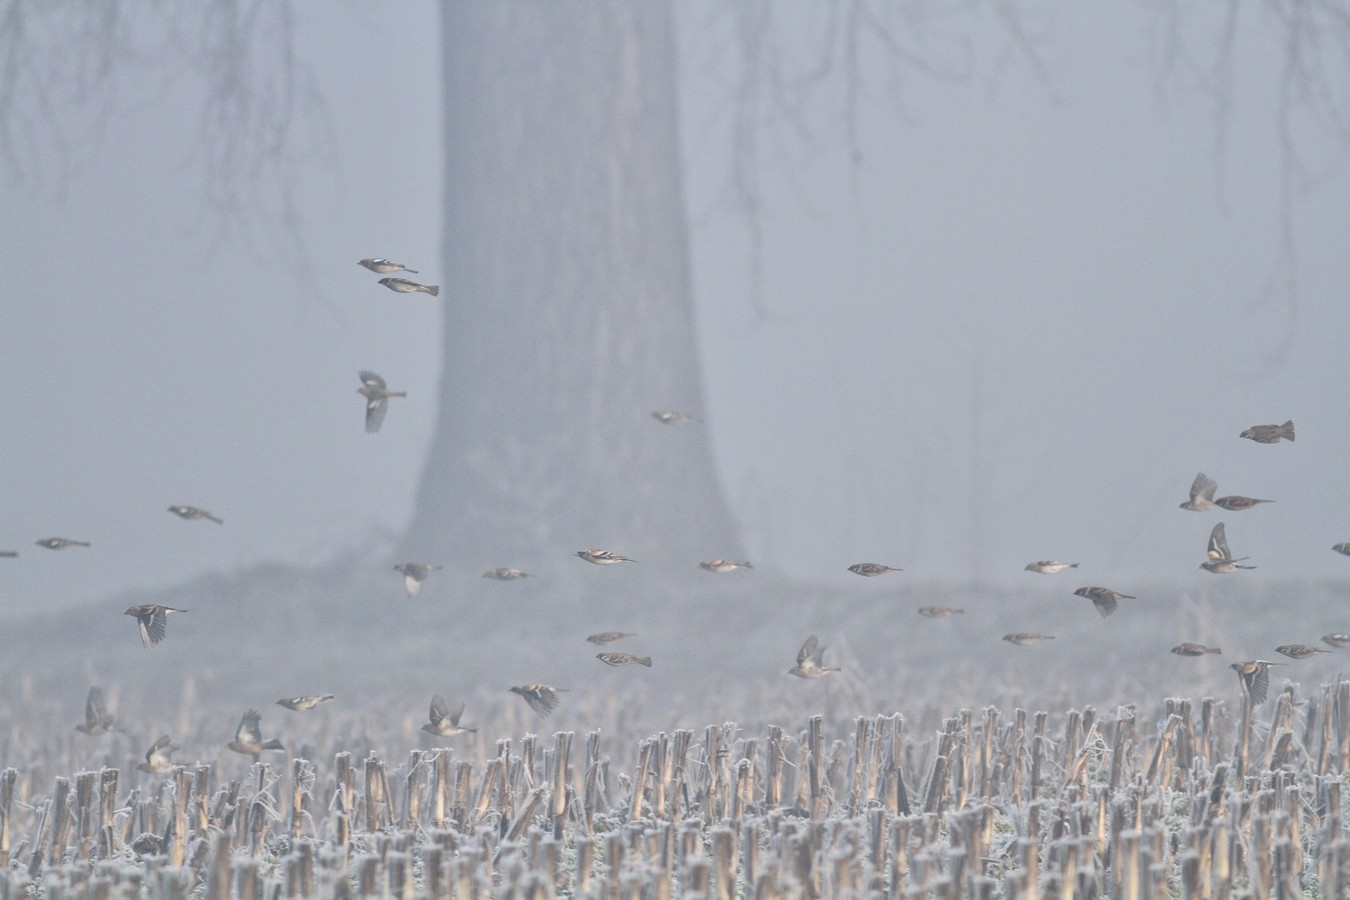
568 312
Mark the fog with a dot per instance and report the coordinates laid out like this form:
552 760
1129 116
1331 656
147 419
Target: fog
1044 296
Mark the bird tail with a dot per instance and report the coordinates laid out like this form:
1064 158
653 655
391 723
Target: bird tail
86 543
414 271
397 394
644 661
273 744
1287 430
435 291
958 612
1214 650
1073 565
325 697
1128 597
214 519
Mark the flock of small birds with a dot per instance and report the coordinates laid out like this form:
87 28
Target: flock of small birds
1253 674
152 619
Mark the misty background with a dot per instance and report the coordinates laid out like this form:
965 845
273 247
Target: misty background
953 317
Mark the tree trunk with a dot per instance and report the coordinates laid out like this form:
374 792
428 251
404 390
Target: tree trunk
568 316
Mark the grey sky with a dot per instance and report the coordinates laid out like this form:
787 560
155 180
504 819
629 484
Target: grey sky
1078 239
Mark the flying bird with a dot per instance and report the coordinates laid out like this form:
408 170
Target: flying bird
158 759
502 573
1103 598
603 557
60 543
414 574
1339 639
384 266
1202 493
938 612
673 418
723 565
248 736
619 658
191 513
1299 651
1270 434
609 637
1343 549
1049 566
96 718
302 703
542 698
404 286
152 619
377 397
810 660
1221 559
445 721
871 570
1238 504
1254 676
1022 638
1189 649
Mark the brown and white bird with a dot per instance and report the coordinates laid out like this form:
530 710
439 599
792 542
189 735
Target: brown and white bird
248 736
609 637
871 570
384 266
1343 549
502 573
404 286
377 396
619 658
152 619
543 698
1299 651
1270 434
303 703
1190 649
60 543
158 759
673 418
1338 639
1202 493
1103 598
414 574
1238 504
939 612
810 660
1049 566
723 565
1254 676
192 513
603 557
1221 559
96 718
1023 638
444 720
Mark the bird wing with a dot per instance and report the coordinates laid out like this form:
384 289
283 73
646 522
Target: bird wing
370 379
438 709
154 622
156 748
250 728
808 650
94 712
412 583
1203 486
1257 684
542 699
1218 544
376 407
1105 602
456 713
